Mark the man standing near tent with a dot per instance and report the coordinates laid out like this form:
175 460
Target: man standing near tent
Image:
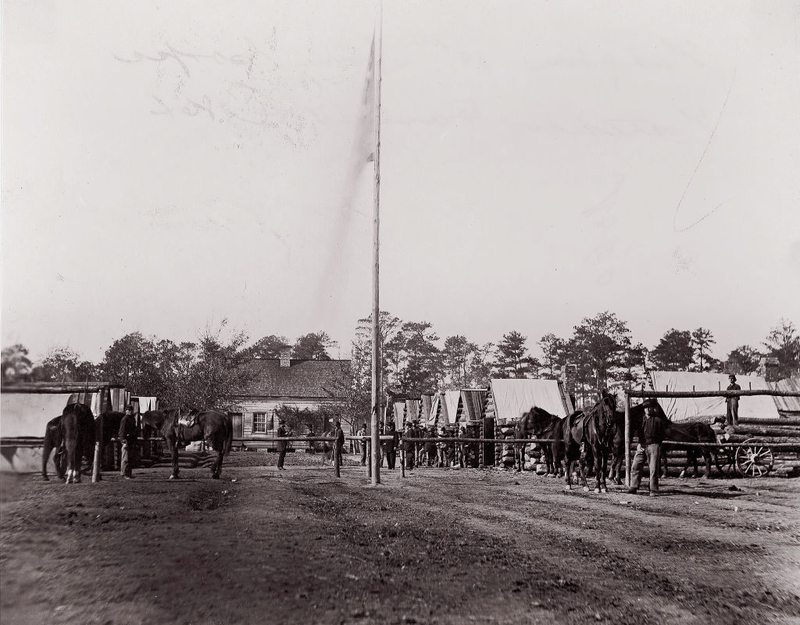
127 438
651 435
732 416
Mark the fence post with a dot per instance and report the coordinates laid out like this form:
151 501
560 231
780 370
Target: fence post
368 442
98 452
627 439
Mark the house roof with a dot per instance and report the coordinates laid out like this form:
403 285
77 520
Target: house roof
303 379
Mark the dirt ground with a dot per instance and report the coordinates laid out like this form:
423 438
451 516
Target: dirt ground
440 546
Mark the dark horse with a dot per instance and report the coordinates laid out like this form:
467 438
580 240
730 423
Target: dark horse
211 426
53 441
536 423
682 432
694 432
590 432
77 427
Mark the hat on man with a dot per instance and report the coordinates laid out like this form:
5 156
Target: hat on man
732 377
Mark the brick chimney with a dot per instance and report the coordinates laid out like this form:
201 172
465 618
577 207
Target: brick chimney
768 369
286 355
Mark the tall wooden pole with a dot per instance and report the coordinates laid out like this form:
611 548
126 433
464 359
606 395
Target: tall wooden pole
376 308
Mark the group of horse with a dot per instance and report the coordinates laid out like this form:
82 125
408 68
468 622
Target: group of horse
72 436
587 439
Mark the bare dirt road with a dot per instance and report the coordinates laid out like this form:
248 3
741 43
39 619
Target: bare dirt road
440 546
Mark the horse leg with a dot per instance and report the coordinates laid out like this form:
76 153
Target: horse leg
48 446
707 459
603 469
598 469
216 469
567 470
173 443
582 464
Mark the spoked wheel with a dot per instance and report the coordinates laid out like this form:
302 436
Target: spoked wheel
726 461
754 459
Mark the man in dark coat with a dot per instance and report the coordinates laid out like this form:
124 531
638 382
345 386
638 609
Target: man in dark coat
127 439
390 446
338 442
651 435
732 416
281 446
409 445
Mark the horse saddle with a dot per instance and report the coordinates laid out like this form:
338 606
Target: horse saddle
188 420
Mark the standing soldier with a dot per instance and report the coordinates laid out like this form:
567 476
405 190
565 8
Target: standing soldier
127 438
363 443
281 445
732 416
338 443
409 447
390 446
651 435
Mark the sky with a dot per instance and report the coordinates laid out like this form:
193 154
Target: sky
167 166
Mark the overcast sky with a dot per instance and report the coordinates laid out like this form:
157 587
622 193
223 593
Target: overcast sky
169 165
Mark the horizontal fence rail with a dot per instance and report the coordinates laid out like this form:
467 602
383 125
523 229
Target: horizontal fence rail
742 393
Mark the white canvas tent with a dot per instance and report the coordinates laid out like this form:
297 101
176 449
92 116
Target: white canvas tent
510 399
27 414
471 405
444 408
706 409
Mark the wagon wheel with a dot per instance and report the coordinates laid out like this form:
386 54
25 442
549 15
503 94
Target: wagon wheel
725 459
754 459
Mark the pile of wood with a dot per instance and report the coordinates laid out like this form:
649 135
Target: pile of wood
774 431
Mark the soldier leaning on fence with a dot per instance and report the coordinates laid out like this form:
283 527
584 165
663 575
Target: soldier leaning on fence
651 435
127 439
732 416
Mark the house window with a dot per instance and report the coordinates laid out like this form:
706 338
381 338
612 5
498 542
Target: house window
259 422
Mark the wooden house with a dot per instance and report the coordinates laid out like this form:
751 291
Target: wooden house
277 382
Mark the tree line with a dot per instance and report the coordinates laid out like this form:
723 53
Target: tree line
207 373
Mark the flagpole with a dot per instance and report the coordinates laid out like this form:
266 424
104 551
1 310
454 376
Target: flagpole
376 309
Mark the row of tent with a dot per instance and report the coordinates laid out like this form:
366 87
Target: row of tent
506 400
26 409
